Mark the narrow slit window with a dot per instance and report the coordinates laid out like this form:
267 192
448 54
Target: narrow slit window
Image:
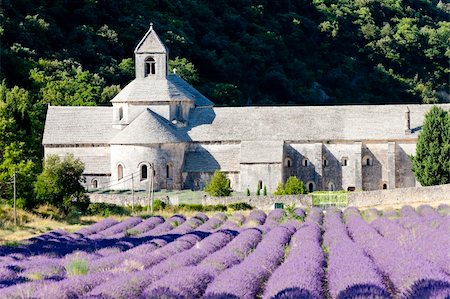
119 172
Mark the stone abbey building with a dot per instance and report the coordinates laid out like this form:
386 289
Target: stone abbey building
161 129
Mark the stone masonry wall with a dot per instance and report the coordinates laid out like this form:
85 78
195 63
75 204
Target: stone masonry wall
401 196
262 202
361 199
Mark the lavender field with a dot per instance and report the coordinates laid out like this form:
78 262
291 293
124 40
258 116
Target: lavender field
319 254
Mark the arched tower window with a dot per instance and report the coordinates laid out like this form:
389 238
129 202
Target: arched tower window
260 185
344 161
384 186
325 162
310 187
150 66
94 184
119 172
144 172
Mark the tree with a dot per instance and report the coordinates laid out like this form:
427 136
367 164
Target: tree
248 192
12 159
258 191
219 185
431 164
280 189
59 184
183 68
293 186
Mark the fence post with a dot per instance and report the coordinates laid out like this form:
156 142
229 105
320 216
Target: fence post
132 193
15 210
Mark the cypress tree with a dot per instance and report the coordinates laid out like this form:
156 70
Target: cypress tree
431 164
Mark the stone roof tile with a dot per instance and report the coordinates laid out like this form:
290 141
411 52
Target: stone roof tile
78 125
149 128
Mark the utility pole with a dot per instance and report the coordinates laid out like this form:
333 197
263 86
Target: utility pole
14 187
152 187
132 193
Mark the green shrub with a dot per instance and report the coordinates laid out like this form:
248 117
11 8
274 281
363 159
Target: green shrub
219 185
265 190
159 205
59 184
240 206
77 266
293 186
258 192
106 209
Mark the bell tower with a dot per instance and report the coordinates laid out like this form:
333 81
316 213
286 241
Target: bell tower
151 57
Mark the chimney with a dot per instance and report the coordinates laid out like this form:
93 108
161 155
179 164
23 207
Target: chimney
407 121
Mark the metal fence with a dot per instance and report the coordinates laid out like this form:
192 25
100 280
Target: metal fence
330 199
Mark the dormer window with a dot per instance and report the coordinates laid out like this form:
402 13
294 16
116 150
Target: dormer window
150 66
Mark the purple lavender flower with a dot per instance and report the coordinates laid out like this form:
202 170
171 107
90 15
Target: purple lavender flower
245 279
314 215
301 274
187 282
256 217
405 268
147 224
118 228
97 227
351 273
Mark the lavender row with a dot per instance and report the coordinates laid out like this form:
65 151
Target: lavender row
131 285
245 280
256 217
351 274
191 282
429 243
301 274
409 274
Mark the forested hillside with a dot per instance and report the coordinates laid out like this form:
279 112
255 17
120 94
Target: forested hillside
238 52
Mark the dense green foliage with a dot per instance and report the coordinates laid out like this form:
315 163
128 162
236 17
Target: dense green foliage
219 185
59 184
235 52
237 206
431 164
292 186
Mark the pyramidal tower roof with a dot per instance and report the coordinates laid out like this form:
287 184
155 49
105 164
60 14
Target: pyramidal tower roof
148 128
150 43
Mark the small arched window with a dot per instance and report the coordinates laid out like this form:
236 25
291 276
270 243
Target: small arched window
310 187
120 112
119 172
94 184
344 161
144 172
367 161
305 162
288 162
260 185
384 186
331 186
325 162
150 66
